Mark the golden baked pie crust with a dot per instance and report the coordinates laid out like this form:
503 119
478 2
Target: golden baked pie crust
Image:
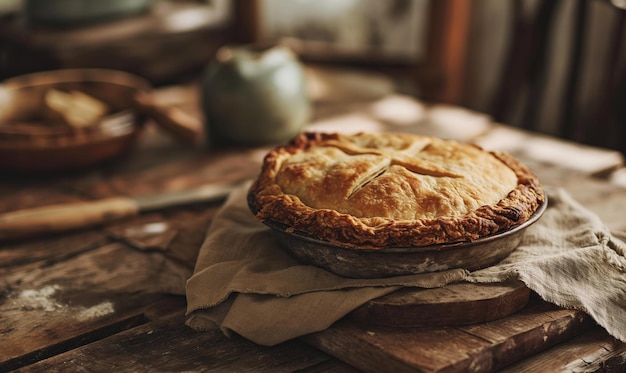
392 190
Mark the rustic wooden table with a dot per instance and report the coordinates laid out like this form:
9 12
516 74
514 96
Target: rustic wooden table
110 298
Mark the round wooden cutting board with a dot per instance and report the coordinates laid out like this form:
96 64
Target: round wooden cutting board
455 304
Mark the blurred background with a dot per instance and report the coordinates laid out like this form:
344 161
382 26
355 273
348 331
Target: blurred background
553 66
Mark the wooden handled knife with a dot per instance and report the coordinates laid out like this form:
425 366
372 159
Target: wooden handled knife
62 217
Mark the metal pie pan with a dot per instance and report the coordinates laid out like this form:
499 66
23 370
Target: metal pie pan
396 261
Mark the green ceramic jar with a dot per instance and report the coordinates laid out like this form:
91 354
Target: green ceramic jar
254 96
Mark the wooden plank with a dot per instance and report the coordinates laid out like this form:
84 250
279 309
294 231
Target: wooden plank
594 351
454 304
178 232
44 251
38 325
524 334
50 305
481 348
168 345
82 286
376 349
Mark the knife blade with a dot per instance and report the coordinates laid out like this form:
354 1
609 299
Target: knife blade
67 216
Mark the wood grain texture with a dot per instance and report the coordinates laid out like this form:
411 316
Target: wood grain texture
54 304
82 287
594 351
168 345
36 253
454 304
478 348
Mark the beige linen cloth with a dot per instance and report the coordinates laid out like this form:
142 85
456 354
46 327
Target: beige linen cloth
243 282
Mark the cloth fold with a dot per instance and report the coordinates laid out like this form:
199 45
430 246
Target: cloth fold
243 282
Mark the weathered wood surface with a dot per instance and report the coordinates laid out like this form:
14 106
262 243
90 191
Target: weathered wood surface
97 299
594 352
165 344
454 304
110 297
479 348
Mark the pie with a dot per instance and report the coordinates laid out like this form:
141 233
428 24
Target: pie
380 190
